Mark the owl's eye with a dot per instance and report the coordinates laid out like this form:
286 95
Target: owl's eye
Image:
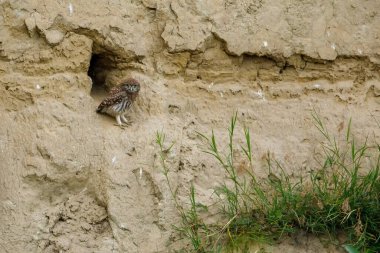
132 88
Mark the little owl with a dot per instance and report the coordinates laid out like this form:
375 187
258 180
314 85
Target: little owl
120 98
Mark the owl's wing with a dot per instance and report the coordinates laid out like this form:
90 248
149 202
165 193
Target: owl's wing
111 100
115 90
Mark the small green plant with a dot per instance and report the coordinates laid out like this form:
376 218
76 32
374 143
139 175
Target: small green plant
343 195
192 227
350 249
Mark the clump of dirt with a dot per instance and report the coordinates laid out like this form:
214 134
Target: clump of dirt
79 224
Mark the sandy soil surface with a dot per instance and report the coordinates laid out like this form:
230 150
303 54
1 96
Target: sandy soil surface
71 181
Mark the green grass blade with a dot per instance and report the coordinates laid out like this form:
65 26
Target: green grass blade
350 249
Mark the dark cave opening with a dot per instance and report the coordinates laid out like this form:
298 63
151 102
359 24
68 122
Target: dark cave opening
97 71
103 65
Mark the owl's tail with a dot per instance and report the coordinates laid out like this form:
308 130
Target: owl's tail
102 106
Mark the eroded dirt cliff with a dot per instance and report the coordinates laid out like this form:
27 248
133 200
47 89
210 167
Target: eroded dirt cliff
71 181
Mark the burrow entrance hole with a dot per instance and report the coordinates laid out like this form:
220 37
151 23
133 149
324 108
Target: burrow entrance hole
101 65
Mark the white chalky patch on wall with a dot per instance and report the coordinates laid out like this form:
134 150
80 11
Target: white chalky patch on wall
260 94
71 9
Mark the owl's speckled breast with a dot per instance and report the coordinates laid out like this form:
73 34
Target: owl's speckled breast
118 108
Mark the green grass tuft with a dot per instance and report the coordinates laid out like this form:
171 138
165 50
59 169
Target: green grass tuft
343 195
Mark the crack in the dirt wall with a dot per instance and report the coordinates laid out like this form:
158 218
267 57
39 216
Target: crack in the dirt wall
217 63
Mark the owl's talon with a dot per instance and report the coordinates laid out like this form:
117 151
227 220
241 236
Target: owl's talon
121 126
129 123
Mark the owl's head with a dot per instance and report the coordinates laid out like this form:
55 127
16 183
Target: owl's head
130 85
